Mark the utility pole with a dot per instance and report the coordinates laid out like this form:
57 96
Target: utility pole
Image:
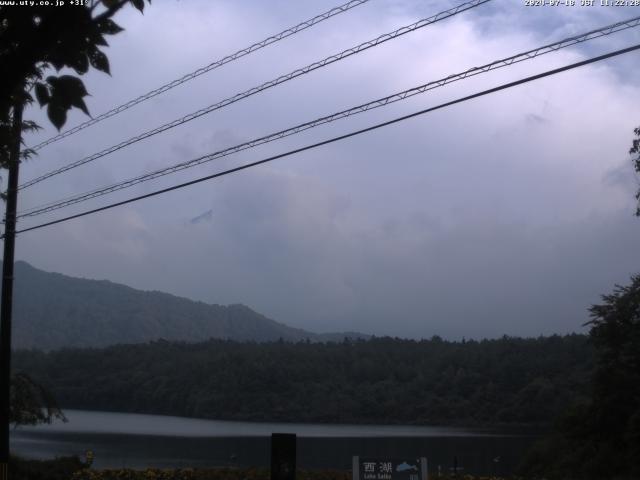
7 287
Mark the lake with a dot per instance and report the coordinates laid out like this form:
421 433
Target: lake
140 441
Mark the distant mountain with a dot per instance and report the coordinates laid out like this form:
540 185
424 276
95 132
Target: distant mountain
52 311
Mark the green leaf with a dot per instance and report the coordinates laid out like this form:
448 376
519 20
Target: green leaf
139 4
42 93
109 27
68 86
27 153
80 63
78 102
99 61
98 39
30 126
57 114
66 91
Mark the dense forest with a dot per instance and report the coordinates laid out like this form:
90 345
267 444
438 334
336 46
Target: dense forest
491 382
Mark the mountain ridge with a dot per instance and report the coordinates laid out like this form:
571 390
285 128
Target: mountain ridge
53 310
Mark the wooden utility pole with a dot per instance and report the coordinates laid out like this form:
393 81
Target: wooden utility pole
7 287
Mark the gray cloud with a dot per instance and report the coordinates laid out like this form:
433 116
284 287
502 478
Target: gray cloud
509 214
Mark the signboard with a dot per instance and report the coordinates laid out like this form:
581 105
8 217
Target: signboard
389 468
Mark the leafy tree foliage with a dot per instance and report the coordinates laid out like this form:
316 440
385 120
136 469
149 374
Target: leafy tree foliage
383 380
614 415
31 403
600 438
36 39
60 468
635 150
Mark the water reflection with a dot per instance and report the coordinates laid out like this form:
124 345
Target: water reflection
138 441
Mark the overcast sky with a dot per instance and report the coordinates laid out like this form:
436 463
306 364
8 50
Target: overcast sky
508 214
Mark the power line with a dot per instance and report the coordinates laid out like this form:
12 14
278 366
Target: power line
341 137
272 83
530 54
212 66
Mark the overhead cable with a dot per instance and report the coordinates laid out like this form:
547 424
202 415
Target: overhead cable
338 138
201 71
520 57
272 83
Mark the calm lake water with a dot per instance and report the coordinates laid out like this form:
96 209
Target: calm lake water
140 441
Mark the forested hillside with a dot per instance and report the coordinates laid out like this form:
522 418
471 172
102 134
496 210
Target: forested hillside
383 380
54 311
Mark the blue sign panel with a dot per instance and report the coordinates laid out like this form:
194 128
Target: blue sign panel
389 468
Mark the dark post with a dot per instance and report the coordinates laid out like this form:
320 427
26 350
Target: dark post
7 289
283 456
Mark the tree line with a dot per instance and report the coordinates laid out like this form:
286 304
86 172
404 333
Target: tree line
598 437
506 381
